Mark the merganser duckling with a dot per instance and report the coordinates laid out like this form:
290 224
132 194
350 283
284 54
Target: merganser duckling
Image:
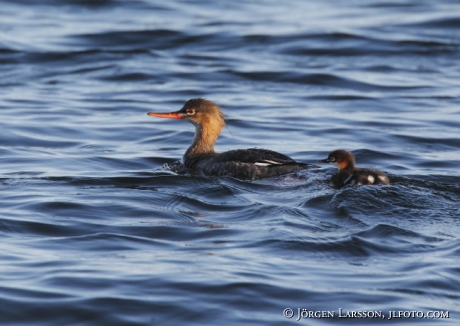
349 174
244 164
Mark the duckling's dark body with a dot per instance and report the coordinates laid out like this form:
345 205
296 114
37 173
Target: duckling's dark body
349 174
244 164
358 177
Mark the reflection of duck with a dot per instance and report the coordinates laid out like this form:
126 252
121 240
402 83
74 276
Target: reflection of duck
253 163
350 175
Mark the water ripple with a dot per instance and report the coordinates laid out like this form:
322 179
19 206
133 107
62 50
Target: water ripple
101 225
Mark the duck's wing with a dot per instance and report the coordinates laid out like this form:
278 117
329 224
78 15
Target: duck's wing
257 156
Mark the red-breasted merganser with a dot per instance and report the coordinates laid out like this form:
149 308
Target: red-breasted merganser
244 164
349 174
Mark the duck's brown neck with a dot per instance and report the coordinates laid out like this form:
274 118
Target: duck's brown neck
204 140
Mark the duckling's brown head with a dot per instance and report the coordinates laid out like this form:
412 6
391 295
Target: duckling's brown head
341 158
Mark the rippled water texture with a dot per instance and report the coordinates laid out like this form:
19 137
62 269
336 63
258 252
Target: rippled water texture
97 231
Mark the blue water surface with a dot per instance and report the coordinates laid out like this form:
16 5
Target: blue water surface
97 230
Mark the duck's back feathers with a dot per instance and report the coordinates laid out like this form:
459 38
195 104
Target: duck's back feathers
252 163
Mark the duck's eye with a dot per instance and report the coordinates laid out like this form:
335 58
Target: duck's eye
332 159
190 111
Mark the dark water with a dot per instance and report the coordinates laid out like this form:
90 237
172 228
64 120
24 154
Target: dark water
95 231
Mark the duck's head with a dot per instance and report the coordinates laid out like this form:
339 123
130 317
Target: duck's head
198 111
341 158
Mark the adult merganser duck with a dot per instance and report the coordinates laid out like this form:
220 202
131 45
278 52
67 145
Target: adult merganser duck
244 164
349 174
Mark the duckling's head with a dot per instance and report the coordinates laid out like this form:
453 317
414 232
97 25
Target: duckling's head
341 158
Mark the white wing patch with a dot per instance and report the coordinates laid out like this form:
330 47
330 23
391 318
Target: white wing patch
383 178
371 179
267 162
262 163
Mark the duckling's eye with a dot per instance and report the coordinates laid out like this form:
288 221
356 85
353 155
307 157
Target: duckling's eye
332 159
190 111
